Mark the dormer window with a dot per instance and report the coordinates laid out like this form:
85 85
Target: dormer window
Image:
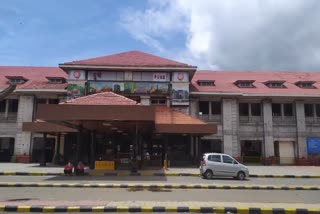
244 83
206 82
56 80
275 84
16 80
306 84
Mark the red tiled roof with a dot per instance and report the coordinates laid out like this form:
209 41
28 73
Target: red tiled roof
224 82
130 58
166 115
103 98
36 77
168 120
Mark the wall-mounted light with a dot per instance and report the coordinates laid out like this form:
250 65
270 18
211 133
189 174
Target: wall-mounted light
106 124
114 128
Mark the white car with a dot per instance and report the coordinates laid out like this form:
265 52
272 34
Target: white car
217 164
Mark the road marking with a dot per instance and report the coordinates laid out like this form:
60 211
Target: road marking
159 186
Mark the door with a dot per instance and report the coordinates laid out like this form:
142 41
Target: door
229 168
286 152
215 164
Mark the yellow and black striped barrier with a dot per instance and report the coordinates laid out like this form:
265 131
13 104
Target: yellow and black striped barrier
147 174
160 186
142 209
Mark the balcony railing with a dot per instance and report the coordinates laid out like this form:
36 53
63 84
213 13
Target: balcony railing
251 119
284 119
213 117
312 120
10 117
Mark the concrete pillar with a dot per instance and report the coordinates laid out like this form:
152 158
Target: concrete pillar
230 127
194 108
25 114
210 110
43 158
301 130
197 145
268 129
7 109
192 146
62 144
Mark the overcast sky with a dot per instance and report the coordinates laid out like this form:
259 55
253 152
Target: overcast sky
210 34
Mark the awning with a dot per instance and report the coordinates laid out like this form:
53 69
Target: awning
45 127
108 111
168 121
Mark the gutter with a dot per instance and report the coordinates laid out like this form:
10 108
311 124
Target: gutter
255 95
39 90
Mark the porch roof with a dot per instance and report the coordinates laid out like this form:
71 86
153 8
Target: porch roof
94 112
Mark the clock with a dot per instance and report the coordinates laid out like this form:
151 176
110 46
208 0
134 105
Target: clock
180 76
76 74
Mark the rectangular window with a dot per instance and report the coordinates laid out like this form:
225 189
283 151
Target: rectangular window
2 105
243 109
216 108
227 159
204 107
318 110
255 109
158 101
308 110
13 106
288 109
53 101
276 109
120 75
214 158
137 76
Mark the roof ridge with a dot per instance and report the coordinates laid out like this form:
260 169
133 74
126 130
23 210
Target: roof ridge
129 58
106 93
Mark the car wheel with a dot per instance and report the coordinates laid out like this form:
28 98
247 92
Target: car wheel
208 174
241 176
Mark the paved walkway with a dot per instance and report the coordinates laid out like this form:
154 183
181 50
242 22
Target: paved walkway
258 170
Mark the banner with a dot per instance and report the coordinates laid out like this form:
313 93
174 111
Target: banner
129 87
313 146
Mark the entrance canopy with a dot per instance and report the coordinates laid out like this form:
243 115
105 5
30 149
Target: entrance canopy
110 112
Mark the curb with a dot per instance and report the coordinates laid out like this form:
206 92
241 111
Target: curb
162 186
143 209
146 174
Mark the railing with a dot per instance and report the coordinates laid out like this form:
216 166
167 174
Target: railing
252 119
284 119
10 117
312 120
213 117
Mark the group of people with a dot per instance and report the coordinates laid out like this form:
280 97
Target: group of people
78 170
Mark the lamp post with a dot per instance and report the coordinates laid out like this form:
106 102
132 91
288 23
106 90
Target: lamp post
134 167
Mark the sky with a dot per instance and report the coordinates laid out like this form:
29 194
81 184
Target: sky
210 34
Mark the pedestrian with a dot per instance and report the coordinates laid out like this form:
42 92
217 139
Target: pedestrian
79 169
68 168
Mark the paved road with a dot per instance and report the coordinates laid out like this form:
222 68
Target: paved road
105 195
159 197
167 180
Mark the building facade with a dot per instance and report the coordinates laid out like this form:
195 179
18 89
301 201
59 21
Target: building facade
34 85
262 117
